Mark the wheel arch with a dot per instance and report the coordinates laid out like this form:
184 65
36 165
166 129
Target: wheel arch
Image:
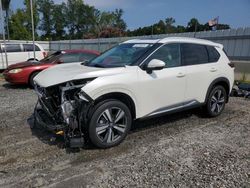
30 59
123 97
32 73
219 81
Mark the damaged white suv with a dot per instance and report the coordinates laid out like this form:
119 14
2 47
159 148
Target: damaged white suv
99 99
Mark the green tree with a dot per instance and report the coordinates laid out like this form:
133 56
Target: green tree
169 25
20 22
16 23
193 25
223 26
45 8
79 18
59 21
119 22
180 29
6 8
108 24
27 12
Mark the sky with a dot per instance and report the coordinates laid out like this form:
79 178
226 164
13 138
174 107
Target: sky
139 13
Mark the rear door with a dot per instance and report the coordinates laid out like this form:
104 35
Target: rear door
201 70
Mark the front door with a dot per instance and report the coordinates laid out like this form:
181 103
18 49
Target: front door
163 90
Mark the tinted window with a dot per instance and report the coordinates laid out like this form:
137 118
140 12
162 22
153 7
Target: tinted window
169 53
70 58
193 54
213 54
87 57
29 47
12 48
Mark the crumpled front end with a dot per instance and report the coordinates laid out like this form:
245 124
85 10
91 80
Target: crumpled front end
64 108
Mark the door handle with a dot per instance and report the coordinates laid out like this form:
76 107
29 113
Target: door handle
180 75
213 69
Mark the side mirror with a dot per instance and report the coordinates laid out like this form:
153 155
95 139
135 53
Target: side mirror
155 64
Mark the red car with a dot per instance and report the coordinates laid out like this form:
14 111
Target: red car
24 72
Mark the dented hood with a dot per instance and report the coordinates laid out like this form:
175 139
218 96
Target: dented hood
72 71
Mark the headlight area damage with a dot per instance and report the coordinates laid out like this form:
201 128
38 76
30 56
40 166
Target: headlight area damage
64 109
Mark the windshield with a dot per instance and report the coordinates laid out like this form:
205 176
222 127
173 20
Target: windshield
121 55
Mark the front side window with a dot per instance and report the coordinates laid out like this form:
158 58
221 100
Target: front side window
194 54
169 54
121 55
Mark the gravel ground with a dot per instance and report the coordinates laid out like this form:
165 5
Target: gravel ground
181 150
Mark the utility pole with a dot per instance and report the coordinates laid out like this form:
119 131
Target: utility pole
33 28
3 32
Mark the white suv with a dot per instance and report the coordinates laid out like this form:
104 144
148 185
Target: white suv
99 99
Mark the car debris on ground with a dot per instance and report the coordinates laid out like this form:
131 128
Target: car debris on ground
241 90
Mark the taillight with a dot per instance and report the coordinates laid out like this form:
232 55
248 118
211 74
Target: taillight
231 65
45 54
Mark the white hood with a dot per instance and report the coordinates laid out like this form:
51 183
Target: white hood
72 71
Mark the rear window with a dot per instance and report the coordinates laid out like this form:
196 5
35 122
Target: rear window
194 54
12 48
213 54
29 47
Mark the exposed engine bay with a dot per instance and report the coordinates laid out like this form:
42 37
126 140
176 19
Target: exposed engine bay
64 108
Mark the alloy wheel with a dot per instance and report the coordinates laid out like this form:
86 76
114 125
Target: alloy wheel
111 125
217 101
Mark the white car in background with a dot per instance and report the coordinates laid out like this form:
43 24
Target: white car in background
137 79
19 52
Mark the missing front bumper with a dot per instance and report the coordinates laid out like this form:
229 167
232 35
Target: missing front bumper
42 119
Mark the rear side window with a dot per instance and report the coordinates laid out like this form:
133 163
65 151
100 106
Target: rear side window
12 48
213 54
29 47
87 57
194 54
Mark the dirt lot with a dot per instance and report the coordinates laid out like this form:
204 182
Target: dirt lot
181 150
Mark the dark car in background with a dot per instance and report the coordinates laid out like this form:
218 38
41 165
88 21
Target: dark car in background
24 72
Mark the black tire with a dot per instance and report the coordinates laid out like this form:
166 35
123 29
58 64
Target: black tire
99 121
216 101
31 81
